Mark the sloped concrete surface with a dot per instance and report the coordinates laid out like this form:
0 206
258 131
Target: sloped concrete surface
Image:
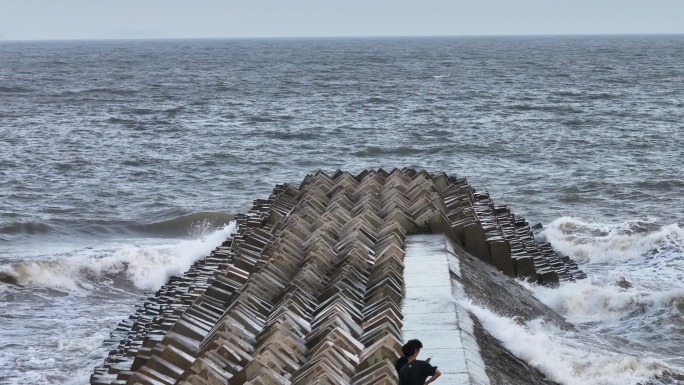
432 315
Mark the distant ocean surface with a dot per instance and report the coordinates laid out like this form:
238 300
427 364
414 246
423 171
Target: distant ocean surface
121 163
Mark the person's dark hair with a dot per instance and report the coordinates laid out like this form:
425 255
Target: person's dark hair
416 343
408 349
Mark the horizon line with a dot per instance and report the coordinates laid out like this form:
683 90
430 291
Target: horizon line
340 37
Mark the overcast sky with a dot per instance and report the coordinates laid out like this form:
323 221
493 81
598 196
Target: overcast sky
96 19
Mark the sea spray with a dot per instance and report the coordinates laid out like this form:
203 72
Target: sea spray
565 356
90 290
631 302
147 267
584 240
635 269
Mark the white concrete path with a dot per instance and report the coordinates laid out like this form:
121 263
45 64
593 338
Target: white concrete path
432 315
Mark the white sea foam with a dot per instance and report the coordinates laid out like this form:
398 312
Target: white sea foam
634 268
631 298
586 241
55 338
600 299
147 267
563 356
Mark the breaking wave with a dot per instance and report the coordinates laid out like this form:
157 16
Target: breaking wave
590 242
190 225
147 267
567 356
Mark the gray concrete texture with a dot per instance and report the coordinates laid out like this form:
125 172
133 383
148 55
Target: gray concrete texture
315 287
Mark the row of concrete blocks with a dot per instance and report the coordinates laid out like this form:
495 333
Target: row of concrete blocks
350 332
171 356
140 334
492 233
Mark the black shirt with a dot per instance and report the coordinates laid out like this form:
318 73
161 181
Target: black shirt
400 363
416 372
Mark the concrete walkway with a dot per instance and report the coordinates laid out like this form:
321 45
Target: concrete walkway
432 315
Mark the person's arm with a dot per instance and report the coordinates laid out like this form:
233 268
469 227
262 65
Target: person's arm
437 374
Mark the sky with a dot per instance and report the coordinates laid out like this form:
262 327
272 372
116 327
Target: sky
101 19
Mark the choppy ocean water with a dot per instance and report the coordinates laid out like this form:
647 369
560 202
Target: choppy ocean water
121 162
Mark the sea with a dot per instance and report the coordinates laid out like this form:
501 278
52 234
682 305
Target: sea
123 162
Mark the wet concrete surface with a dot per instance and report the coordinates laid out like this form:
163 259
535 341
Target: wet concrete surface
432 315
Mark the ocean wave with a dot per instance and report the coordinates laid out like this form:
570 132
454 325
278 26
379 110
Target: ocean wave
114 119
587 241
261 119
14 90
294 135
224 155
375 151
146 267
142 111
635 279
567 356
112 91
183 226
378 100
420 111
24 227
661 185
191 224
174 110
610 298
601 96
522 107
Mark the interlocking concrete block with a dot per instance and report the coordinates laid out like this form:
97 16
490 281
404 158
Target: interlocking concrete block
343 360
388 268
548 276
341 198
191 328
269 367
321 368
381 373
390 250
149 377
390 235
314 273
385 291
440 181
287 320
388 282
229 327
341 320
180 350
379 306
475 242
501 257
338 304
268 376
387 315
404 220
389 347
378 332
208 372
339 338
231 352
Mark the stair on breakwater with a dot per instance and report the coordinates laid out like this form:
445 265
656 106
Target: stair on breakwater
309 289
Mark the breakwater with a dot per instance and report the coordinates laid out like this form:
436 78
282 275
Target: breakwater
310 288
